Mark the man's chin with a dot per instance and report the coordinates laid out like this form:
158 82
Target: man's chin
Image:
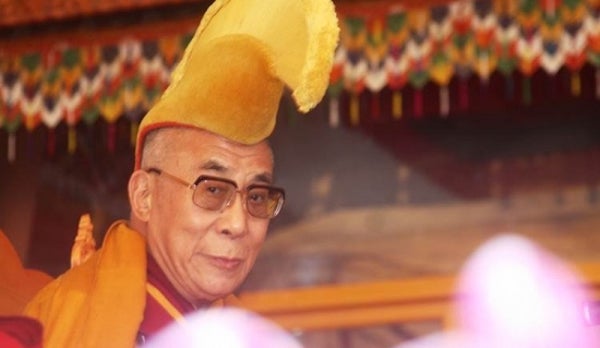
219 291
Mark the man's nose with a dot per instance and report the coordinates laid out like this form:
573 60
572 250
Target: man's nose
234 217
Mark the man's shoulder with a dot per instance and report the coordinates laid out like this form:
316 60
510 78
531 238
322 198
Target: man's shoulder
80 281
105 295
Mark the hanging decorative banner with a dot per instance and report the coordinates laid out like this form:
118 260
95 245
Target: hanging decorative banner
72 72
442 67
420 51
335 89
396 62
383 44
462 38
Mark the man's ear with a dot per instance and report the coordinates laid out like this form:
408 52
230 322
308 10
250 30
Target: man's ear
140 197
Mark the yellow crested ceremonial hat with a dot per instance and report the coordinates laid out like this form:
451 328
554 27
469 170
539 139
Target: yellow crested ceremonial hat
232 75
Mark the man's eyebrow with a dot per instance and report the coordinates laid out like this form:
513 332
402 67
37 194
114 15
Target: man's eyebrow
214 165
266 177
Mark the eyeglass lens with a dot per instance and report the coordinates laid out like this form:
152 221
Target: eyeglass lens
261 201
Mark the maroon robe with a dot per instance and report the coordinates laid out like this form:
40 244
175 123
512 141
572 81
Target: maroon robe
155 316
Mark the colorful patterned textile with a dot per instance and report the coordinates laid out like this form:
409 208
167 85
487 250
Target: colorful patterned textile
383 44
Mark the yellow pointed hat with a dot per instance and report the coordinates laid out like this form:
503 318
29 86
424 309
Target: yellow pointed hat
244 52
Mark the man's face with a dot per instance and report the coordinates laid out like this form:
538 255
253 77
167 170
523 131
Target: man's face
206 254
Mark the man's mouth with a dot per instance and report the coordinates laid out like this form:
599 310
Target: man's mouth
226 263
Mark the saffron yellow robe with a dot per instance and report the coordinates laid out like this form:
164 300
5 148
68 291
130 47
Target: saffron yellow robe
18 284
99 303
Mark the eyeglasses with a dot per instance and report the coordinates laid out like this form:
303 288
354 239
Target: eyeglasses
212 193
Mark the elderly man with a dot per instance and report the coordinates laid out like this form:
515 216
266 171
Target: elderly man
202 192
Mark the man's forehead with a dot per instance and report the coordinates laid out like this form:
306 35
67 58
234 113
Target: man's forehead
211 151
257 172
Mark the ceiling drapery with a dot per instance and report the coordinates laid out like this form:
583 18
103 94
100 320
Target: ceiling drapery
384 45
394 46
